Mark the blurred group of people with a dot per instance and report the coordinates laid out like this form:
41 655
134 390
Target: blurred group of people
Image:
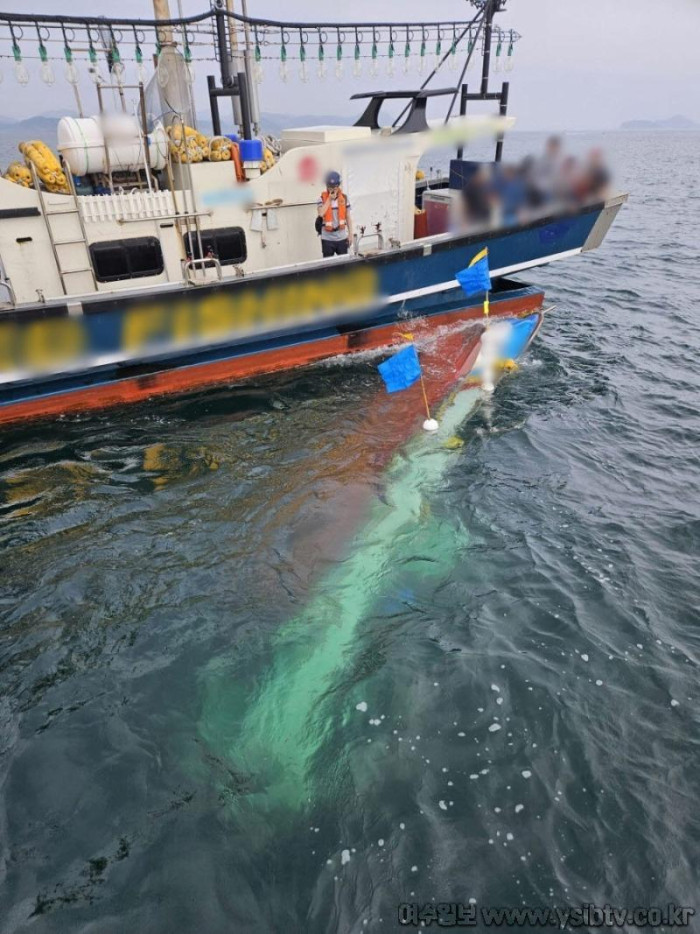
502 194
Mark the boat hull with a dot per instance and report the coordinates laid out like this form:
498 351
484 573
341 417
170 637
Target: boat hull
69 356
119 384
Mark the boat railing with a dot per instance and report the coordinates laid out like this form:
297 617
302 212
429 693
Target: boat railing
375 234
190 267
8 298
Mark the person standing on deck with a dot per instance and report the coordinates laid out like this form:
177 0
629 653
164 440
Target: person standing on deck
334 212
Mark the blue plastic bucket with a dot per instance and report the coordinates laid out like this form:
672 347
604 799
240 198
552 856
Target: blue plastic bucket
251 150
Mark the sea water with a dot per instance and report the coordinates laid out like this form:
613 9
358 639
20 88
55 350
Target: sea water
513 717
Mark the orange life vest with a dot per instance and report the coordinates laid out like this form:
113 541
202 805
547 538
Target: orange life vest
342 212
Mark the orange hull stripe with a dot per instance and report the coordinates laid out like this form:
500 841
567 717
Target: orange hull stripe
188 378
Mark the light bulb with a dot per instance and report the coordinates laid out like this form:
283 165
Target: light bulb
497 63
390 66
21 73
303 74
452 62
258 73
357 68
72 76
46 73
118 72
406 64
321 71
141 72
284 73
374 68
339 69
162 73
509 61
421 65
95 74
189 73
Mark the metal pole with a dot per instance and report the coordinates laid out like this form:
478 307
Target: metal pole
236 62
462 113
490 10
245 104
214 104
503 110
251 86
144 130
224 65
161 10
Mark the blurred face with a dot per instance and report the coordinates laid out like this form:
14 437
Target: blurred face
333 189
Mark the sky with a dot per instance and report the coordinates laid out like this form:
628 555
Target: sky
581 64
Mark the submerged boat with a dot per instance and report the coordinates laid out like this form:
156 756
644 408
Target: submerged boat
153 259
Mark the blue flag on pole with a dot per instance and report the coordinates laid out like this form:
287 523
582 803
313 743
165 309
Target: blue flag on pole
401 370
475 278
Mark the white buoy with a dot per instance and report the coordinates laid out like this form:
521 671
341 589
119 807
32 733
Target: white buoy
430 424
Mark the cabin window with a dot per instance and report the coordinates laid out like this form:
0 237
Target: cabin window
114 260
226 243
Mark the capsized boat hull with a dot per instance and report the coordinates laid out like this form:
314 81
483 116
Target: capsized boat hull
280 735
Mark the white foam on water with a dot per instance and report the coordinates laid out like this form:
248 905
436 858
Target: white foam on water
495 687
344 857
526 773
494 727
519 808
584 657
442 805
380 842
674 702
599 682
414 868
361 706
509 836
499 700
473 777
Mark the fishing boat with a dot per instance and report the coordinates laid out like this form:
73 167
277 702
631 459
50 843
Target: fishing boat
147 257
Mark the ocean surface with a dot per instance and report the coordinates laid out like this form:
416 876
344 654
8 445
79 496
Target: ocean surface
235 698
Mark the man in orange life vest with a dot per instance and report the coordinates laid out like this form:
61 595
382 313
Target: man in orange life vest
334 212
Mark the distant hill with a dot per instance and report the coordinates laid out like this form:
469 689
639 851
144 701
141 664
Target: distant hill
45 123
273 124
43 126
672 123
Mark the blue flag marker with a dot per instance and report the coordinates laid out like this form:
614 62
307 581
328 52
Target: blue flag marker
475 278
401 370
